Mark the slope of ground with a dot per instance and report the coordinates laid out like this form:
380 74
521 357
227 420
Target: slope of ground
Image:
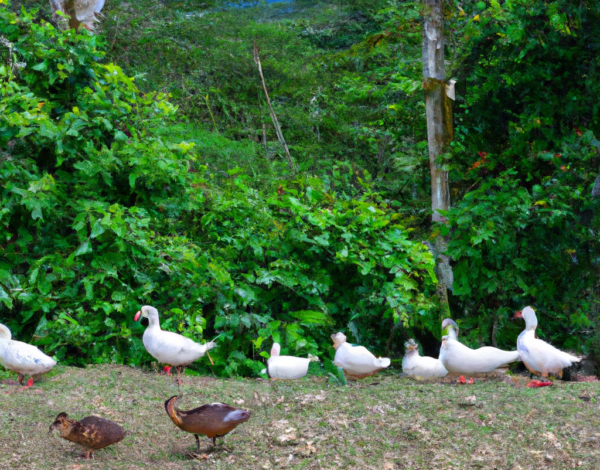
379 423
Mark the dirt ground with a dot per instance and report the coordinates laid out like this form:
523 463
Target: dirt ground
383 423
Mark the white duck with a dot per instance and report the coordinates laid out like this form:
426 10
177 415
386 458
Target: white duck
538 356
421 368
458 358
287 367
22 358
166 347
356 361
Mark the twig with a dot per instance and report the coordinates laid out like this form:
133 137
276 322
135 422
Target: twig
112 46
271 110
211 114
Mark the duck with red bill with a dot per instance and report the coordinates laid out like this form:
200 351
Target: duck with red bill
538 356
169 348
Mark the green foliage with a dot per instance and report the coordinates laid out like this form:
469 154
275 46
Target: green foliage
524 228
100 214
108 203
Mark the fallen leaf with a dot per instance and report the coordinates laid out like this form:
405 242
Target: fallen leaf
286 438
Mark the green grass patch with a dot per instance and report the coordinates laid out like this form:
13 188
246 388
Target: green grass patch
383 422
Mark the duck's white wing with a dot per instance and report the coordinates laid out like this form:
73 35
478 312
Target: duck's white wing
172 348
25 358
543 357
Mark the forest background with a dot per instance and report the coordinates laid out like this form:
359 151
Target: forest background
140 165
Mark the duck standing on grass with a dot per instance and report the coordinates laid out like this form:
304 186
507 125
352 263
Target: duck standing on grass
357 361
458 358
538 356
421 367
22 358
214 420
91 433
287 367
169 348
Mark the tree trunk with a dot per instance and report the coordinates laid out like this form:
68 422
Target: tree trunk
82 13
439 131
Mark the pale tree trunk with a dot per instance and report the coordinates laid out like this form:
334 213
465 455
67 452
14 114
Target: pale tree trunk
439 131
82 13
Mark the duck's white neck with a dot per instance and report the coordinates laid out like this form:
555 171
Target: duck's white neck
5 332
153 321
453 333
531 322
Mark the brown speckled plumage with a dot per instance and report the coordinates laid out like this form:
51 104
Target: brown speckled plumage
214 420
92 432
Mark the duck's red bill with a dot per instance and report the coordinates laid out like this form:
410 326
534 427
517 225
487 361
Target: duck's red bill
137 316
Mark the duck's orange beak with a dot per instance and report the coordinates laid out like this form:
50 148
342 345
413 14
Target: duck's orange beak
518 314
137 315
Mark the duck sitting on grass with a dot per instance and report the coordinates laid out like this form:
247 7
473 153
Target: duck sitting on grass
421 367
357 361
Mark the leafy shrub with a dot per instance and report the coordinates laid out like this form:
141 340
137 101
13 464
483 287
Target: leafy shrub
100 214
524 227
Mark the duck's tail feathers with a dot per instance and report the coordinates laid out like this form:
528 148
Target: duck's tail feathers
312 358
571 358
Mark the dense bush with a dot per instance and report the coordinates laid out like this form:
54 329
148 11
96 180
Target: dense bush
101 215
524 225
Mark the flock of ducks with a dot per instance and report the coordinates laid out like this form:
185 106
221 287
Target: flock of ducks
218 419
538 356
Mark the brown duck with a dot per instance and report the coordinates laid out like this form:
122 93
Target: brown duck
92 433
214 420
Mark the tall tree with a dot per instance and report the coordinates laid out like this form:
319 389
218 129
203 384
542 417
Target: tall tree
438 106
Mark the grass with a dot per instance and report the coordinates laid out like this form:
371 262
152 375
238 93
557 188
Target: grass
384 422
